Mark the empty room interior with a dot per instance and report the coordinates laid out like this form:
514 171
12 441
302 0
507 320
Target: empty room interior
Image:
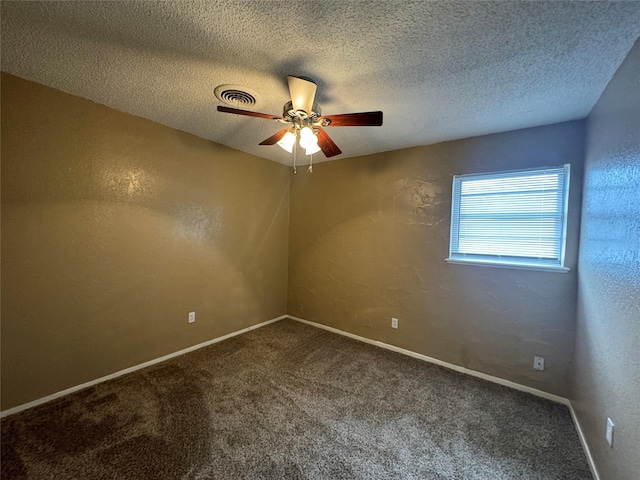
320 240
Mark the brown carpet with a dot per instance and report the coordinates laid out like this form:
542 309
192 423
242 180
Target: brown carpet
292 401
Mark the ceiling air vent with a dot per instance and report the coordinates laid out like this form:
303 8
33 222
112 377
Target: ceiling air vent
235 95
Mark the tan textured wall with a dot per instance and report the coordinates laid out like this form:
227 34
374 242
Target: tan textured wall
368 241
114 228
607 362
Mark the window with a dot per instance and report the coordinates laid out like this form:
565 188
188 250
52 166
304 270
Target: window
513 219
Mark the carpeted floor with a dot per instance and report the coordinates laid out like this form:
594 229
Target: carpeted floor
293 401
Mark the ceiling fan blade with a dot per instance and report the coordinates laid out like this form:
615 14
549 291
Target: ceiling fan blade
327 146
275 138
247 113
303 93
363 119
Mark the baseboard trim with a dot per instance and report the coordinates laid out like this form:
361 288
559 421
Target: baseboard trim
473 373
585 445
451 366
48 398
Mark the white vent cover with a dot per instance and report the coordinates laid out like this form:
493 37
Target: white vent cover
235 95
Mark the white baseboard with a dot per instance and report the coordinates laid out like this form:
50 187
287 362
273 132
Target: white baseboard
473 373
111 376
583 441
451 366
403 351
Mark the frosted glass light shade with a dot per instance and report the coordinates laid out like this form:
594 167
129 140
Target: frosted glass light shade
312 149
307 138
287 142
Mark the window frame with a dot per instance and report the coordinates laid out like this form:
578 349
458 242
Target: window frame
492 260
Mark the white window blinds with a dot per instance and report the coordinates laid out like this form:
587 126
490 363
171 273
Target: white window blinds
514 218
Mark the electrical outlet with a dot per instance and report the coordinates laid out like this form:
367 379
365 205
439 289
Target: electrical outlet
394 323
609 434
192 317
538 363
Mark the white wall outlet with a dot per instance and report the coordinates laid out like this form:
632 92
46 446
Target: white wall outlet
394 323
609 434
538 363
192 317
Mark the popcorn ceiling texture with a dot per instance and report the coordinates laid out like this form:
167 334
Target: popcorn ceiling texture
438 70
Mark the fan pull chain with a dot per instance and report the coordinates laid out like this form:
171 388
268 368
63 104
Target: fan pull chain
310 169
295 153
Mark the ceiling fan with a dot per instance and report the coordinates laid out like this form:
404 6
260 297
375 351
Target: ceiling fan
305 121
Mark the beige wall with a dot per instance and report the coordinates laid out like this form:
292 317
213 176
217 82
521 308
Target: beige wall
114 228
368 241
607 361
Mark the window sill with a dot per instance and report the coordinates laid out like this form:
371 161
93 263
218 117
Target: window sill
519 266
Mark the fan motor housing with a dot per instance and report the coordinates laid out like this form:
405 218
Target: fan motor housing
300 116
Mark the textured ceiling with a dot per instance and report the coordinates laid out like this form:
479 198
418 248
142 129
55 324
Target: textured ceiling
438 70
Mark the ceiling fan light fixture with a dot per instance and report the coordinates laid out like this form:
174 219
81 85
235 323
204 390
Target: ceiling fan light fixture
287 142
312 149
304 121
308 139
